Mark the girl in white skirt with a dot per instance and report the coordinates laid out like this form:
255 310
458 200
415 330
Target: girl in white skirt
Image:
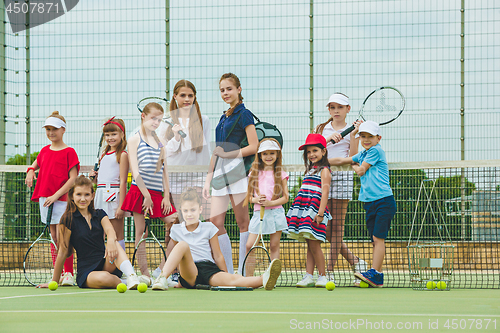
267 187
112 176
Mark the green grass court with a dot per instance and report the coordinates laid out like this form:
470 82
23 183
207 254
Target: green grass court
70 309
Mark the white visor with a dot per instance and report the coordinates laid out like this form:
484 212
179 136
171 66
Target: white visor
54 122
339 99
268 145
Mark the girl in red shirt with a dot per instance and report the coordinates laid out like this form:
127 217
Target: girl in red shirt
58 167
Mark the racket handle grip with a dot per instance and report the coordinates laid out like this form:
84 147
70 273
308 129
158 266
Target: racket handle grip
182 134
96 167
344 133
262 211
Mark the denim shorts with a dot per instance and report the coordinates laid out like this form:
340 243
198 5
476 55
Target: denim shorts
379 214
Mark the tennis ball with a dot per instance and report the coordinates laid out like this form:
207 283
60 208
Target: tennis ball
330 286
431 285
121 287
363 284
142 287
53 285
441 285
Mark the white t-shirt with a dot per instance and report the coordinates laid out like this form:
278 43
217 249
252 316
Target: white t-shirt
198 240
341 148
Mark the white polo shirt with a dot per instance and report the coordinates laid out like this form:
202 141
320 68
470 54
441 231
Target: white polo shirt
198 240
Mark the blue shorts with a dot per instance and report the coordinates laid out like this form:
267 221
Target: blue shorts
206 269
379 214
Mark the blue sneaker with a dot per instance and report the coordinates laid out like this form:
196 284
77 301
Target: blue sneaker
372 277
175 276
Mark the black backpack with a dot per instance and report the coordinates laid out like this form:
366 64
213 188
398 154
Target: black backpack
264 130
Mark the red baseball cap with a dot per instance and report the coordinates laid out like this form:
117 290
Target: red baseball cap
314 139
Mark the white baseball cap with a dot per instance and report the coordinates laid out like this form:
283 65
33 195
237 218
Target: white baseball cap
369 127
54 122
268 145
339 99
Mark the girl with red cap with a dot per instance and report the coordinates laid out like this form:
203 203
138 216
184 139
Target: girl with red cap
309 215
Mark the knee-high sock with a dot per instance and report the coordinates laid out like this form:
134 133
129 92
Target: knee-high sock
68 265
126 268
243 249
225 247
53 254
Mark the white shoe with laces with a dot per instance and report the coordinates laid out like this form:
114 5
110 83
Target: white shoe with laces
160 283
68 279
271 274
321 282
132 282
306 282
146 279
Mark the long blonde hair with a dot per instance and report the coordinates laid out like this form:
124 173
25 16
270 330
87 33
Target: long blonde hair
253 177
147 109
236 81
195 128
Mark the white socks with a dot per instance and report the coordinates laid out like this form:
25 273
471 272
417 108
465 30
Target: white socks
126 268
225 247
122 244
243 249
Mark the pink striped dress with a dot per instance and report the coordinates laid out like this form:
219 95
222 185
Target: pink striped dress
304 209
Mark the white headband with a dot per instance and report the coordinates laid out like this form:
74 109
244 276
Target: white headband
268 145
339 99
54 122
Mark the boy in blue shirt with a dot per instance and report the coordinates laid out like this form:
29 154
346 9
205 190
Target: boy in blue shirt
376 194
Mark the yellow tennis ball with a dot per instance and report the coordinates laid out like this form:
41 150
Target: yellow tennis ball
53 285
142 287
363 284
431 285
121 287
441 285
330 286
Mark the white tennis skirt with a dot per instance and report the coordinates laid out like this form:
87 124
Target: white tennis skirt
58 209
274 220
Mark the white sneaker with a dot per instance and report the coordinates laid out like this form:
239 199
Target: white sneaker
306 282
160 283
321 282
146 279
271 274
170 282
360 267
156 272
68 280
132 282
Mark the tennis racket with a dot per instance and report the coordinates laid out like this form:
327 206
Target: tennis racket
166 108
149 254
257 259
383 106
38 265
98 160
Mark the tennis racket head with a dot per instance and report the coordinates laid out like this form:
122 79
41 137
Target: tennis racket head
38 262
165 104
256 261
149 253
383 105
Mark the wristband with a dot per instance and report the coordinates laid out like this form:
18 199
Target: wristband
30 168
